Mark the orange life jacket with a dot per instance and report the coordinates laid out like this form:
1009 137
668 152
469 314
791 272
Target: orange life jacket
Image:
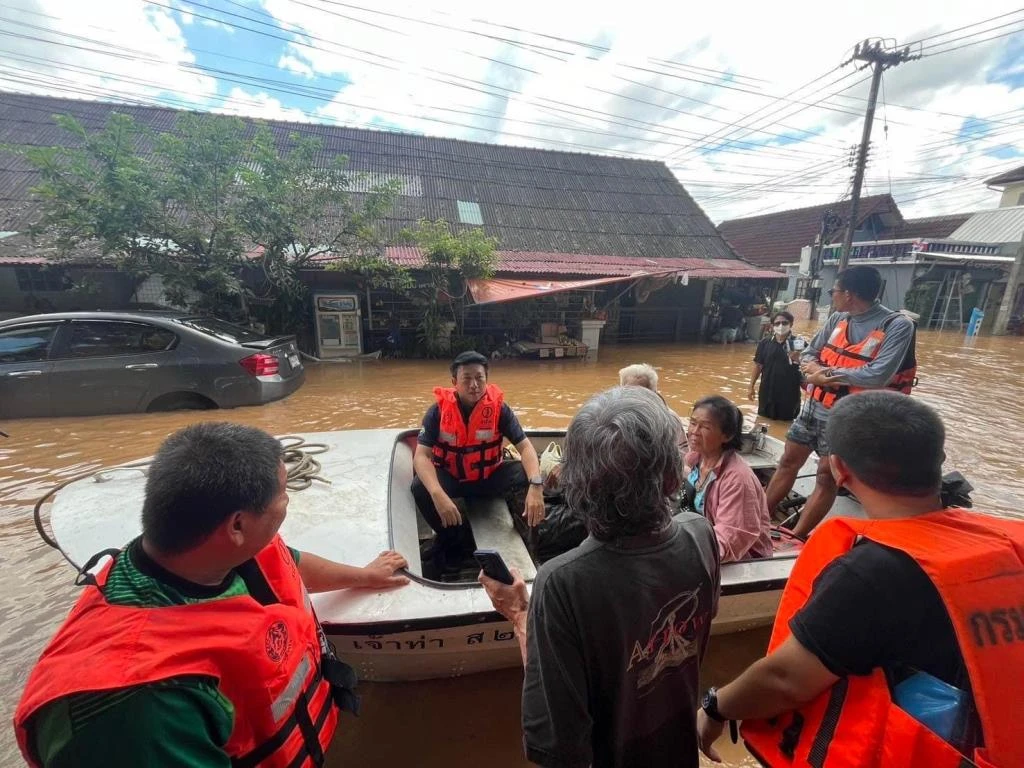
838 352
469 452
267 660
977 564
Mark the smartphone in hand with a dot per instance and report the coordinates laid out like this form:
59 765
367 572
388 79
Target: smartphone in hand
493 565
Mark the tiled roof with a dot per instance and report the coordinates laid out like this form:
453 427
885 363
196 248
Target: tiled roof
777 238
1017 174
529 199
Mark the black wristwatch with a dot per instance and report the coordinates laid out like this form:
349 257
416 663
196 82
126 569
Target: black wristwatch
536 480
710 705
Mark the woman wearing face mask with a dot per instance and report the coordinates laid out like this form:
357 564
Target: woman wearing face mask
777 364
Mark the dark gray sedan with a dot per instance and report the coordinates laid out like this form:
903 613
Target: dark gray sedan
85 363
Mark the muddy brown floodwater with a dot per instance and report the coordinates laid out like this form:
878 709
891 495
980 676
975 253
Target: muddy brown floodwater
977 385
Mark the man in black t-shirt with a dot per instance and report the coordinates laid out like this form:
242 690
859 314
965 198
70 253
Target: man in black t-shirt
872 607
459 455
615 630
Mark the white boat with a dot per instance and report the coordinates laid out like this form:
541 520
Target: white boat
427 629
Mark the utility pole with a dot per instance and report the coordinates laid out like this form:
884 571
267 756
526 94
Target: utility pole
881 59
1010 295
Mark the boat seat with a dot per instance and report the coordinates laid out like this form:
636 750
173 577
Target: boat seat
493 529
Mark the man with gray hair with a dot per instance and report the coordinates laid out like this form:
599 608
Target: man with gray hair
614 634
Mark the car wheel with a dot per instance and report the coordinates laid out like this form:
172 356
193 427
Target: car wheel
181 401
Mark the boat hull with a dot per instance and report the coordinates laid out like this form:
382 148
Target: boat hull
383 654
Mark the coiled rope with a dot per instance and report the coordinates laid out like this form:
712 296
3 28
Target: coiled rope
303 469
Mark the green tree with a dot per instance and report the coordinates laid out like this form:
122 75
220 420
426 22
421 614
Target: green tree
450 259
199 204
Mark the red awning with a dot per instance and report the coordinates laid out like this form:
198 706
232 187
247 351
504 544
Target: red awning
503 289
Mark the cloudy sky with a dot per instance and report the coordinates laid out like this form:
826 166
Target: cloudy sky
747 102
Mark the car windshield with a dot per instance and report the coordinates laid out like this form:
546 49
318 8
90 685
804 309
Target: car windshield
222 330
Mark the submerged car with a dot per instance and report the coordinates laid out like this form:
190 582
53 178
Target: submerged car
87 363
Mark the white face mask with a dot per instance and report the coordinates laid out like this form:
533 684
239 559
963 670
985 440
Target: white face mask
781 330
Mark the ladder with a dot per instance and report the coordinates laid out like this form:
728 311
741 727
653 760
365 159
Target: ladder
949 298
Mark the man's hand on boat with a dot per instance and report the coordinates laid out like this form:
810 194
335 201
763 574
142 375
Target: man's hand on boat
446 509
322 575
382 572
534 512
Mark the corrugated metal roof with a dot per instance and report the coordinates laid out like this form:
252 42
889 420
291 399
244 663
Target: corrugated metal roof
1000 225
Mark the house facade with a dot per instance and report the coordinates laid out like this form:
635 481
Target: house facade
558 216
940 267
1011 184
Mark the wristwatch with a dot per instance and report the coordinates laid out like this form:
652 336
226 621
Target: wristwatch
710 705
536 480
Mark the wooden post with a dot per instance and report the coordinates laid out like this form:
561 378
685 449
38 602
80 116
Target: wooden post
1010 296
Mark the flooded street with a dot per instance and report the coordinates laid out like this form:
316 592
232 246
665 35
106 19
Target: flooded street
977 385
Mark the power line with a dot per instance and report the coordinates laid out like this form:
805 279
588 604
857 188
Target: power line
974 34
618 77
976 42
290 89
966 26
270 85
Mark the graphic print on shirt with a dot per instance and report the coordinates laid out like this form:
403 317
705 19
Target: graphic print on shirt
671 642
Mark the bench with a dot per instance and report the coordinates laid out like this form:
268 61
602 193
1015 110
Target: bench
493 529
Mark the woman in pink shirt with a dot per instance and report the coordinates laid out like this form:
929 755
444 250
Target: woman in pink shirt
728 492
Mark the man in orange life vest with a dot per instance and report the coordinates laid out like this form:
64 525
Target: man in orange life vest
458 455
863 345
197 645
913 590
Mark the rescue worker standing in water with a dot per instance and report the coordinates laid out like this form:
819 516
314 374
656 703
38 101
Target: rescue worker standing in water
459 455
197 645
863 345
912 591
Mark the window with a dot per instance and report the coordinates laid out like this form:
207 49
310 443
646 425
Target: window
211 326
805 289
26 344
40 279
106 339
469 213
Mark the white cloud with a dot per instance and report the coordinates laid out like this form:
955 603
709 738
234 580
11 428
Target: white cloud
261 104
296 65
187 13
149 46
